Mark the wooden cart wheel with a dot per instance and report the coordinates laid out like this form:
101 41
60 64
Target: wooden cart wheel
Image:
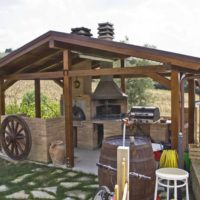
15 137
103 193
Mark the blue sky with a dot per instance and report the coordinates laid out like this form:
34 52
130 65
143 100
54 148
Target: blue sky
171 25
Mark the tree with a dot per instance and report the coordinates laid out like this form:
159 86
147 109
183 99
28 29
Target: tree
138 88
8 50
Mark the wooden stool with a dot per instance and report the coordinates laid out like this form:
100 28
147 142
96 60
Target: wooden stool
165 175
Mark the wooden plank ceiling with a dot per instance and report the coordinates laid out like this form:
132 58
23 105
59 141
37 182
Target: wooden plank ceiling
44 54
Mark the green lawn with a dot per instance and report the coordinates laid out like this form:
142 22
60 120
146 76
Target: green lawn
31 177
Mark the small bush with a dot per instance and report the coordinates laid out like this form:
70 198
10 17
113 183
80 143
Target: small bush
12 109
49 109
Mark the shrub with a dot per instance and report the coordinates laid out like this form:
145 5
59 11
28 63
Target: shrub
49 109
12 109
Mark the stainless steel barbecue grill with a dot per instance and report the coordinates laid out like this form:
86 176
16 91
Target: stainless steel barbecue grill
140 114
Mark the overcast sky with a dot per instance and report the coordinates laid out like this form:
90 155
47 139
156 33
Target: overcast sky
171 25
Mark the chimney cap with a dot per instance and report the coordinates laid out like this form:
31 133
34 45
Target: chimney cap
105 31
105 24
81 31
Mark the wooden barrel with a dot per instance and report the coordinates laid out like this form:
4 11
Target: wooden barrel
141 161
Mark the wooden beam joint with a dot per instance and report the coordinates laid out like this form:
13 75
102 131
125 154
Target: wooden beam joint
160 79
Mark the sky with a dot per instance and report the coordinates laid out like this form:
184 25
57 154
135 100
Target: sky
171 25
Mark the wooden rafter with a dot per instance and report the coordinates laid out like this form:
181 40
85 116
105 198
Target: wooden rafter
128 50
56 66
119 71
95 46
37 75
59 82
160 79
87 51
9 83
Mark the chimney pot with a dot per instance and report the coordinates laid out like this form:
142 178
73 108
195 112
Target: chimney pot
81 31
106 31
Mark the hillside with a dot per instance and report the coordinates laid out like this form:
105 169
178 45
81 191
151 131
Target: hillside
161 98
48 88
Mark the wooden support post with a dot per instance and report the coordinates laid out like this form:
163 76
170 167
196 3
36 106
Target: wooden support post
37 99
123 82
191 110
122 169
2 98
175 109
67 97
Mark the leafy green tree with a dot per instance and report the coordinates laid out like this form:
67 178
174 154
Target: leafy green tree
49 109
138 88
8 50
137 91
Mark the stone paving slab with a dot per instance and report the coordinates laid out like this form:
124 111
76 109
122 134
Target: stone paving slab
42 195
3 188
69 184
21 178
77 193
18 195
49 189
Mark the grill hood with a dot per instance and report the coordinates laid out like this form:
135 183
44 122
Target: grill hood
108 89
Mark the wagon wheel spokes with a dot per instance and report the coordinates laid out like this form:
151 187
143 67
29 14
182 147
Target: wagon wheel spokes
8 132
19 147
16 137
9 129
19 131
16 126
12 126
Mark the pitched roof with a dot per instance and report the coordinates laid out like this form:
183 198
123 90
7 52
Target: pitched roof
46 50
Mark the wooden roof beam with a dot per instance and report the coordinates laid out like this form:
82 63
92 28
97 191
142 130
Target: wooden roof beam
25 49
32 62
160 79
119 71
91 53
32 76
129 50
59 82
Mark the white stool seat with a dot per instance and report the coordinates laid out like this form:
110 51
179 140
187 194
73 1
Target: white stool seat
172 173
165 175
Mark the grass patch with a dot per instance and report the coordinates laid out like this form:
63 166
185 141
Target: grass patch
39 176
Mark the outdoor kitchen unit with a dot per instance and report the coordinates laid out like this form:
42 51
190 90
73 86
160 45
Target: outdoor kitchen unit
99 113
109 102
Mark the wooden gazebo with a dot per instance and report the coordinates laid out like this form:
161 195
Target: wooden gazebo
52 56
